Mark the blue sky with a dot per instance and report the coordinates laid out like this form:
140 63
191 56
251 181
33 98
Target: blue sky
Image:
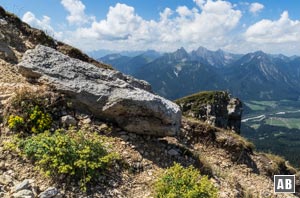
165 25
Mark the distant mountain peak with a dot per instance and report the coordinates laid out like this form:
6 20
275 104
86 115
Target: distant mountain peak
202 50
180 54
217 58
181 50
259 53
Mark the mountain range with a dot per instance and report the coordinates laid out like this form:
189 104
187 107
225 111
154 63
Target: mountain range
252 76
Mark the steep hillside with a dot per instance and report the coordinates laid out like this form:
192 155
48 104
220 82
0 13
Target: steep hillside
73 127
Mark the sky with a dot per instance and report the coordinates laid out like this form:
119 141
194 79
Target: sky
272 26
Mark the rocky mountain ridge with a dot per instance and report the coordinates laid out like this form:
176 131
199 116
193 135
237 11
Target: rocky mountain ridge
272 77
39 71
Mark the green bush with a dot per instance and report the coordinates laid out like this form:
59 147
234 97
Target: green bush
180 182
33 120
32 111
81 156
39 121
15 122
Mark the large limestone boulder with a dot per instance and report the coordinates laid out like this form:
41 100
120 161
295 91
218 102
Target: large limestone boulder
108 94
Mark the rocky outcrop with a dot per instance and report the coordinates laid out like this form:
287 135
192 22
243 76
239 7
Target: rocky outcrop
213 107
235 110
108 94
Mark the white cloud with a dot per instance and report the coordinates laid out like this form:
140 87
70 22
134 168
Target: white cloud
278 36
281 31
200 3
215 21
43 24
256 7
184 11
211 23
124 28
121 23
76 9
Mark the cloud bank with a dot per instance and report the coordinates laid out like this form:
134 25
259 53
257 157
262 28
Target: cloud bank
210 23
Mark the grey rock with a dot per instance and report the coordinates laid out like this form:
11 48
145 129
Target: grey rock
6 179
49 192
123 133
3 22
22 186
132 135
86 121
68 120
10 172
173 152
2 164
59 195
106 93
23 194
124 137
7 53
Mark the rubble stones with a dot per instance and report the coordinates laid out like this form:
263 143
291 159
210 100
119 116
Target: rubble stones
68 120
23 194
49 193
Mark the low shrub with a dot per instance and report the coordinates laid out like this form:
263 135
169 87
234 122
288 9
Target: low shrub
180 182
39 121
15 122
34 121
31 111
75 154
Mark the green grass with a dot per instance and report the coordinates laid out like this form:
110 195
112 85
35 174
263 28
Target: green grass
261 105
204 97
258 107
265 103
255 107
278 134
195 103
291 123
255 126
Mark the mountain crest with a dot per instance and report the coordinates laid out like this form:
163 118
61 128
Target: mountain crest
180 54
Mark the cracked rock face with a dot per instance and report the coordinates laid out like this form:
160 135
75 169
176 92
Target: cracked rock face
108 94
